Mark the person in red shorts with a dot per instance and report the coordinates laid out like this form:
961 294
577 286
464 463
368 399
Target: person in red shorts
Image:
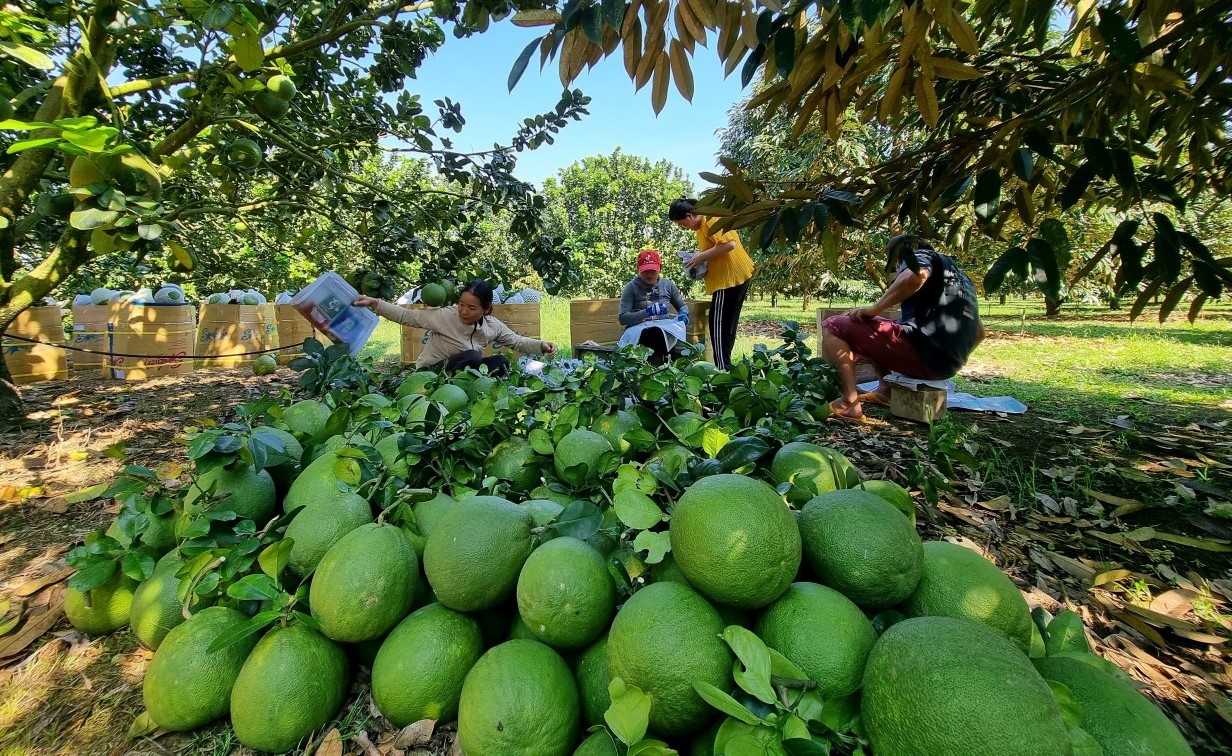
939 327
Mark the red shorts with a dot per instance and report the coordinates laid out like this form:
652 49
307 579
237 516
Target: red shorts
882 342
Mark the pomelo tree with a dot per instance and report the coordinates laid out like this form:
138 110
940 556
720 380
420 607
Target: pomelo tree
130 127
1027 108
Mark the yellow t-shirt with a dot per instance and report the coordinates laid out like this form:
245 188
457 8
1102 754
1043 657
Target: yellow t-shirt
724 271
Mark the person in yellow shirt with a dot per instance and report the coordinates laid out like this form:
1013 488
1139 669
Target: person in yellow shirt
728 272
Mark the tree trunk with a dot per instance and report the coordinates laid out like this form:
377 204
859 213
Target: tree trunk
11 413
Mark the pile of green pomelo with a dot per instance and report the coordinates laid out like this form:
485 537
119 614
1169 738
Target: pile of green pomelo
785 608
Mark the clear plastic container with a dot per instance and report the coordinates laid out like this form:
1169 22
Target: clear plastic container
327 304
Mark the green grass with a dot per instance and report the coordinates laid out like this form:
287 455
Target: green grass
1088 364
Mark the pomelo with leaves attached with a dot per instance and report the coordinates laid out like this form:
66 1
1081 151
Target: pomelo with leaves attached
514 460
812 470
241 489
102 609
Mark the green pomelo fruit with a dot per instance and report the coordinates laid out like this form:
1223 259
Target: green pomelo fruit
580 447
735 541
396 462
476 551
365 583
812 470
306 419
614 427
281 87
102 609
860 545
156 609
939 685
266 364
1122 720
519 631
186 685
292 683
283 465
519 698
429 513
320 525
270 105
593 680
418 672
664 639
317 484
822 633
432 295
957 582
566 595
240 489
514 460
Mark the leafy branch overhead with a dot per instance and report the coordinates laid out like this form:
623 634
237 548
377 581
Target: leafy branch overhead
1006 113
129 140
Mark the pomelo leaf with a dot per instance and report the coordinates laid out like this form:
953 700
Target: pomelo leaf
753 671
483 413
275 557
636 510
628 716
725 703
656 545
541 442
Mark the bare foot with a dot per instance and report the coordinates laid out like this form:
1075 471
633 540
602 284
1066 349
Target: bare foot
843 411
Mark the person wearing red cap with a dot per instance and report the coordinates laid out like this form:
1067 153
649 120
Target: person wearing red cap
729 269
645 301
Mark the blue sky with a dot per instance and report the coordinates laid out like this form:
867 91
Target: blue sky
474 71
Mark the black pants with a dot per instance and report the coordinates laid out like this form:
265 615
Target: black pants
725 306
657 341
497 364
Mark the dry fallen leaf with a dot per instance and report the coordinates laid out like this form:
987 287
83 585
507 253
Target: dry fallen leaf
331 745
31 587
415 734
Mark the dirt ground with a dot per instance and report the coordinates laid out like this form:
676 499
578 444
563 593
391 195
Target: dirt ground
1108 521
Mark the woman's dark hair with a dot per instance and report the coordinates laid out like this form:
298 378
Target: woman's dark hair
482 291
903 247
680 208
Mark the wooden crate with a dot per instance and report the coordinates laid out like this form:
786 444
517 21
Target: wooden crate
598 320
522 319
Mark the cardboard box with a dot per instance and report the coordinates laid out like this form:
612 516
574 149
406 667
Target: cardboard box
156 338
229 334
31 363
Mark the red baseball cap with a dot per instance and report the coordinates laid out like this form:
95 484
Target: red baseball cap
648 259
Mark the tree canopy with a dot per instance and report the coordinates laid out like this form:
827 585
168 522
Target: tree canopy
1026 108
608 207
